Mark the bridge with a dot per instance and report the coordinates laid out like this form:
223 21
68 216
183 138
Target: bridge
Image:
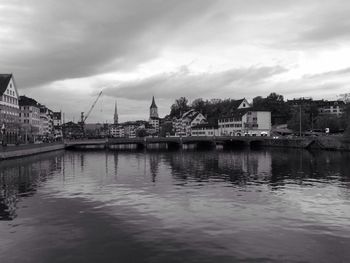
187 142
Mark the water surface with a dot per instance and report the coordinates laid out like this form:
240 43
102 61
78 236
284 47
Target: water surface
216 206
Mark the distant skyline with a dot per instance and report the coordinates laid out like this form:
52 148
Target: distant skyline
63 53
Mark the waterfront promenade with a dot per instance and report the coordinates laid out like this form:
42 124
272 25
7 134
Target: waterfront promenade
8 152
228 142
195 142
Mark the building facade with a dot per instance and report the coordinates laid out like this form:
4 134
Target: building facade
183 125
29 118
57 124
9 109
117 131
130 130
205 130
154 119
71 130
335 108
245 122
46 125
324 107
231 125
257 123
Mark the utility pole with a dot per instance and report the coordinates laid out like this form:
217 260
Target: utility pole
300 120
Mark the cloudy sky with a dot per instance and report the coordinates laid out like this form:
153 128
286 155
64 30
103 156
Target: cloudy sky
64 52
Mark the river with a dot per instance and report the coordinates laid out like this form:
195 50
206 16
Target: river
275 205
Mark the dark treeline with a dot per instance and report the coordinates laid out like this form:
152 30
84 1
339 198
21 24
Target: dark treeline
282 112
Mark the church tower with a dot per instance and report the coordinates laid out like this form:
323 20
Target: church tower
153 110
115 113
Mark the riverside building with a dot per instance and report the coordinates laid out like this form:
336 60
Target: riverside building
154 119
29 118
9 108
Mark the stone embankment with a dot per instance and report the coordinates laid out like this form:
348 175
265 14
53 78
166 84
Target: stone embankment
335 143
28 149
322 143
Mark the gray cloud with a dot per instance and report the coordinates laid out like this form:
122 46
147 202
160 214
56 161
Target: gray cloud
42 42
60 41
328 24
329 74
52 40
229 83
325 85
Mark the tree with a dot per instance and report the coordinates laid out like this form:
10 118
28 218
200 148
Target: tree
179 107
165 129
280 110
294 122
346 119
275 97
345 97
332 122
141 133
199 105
259 102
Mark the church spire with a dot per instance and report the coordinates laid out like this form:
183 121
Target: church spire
153 105
115 113
153 110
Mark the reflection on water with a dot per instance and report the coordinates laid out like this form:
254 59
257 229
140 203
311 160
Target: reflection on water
252 206
21 178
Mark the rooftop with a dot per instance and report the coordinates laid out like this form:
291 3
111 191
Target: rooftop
4 82
26 101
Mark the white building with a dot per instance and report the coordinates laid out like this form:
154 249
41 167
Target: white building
331 108
155 123
57 119
117 131
204 130
245 122
57 124
189 119
231 124
46 119
130 130
9 106
257 123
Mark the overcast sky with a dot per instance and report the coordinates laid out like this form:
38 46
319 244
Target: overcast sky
63 53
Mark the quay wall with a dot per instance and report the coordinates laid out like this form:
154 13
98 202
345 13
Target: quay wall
287 143
332 143
321 143
28 149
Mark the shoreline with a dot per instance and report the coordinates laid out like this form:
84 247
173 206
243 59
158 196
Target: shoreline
10 152
323 143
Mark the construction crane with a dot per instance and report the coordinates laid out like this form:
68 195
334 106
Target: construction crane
82 117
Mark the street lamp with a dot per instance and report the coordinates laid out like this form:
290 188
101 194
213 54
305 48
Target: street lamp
3 131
